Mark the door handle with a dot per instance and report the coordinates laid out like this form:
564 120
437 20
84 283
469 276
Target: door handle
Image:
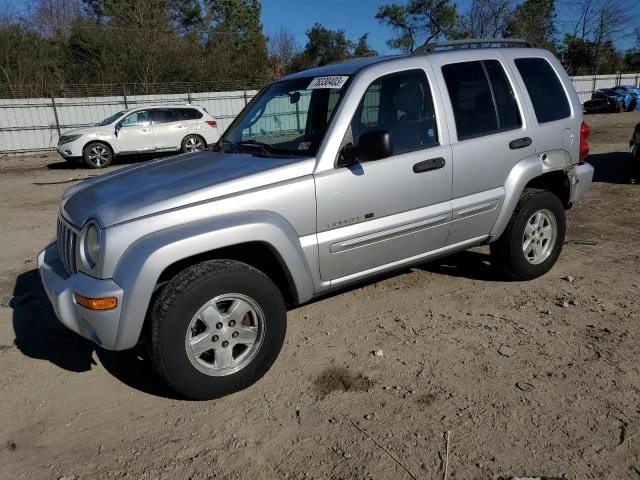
146 129
431 164
520 143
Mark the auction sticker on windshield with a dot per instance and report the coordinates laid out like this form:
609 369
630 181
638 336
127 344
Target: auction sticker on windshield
327 82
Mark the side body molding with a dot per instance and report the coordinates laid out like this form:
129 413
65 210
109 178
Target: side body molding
140 267
522 173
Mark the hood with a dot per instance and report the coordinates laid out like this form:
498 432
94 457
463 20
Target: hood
168 183
106 130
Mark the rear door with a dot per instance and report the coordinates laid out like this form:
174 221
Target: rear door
490 135
169 128
552 97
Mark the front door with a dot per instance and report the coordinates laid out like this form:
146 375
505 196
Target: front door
136 133
375 213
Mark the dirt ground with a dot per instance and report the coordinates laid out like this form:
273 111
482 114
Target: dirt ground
563 402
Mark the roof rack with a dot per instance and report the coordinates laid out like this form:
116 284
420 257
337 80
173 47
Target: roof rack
430 47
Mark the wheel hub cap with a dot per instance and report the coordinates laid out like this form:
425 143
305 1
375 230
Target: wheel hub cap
193 145
225 334
98 155
539 238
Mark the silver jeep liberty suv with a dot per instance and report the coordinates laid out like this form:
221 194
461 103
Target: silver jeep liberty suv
328 177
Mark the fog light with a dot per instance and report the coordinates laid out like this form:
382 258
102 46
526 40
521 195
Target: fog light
106 303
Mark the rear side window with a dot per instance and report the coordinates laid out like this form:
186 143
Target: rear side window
482 98
164 116
189 114
545 89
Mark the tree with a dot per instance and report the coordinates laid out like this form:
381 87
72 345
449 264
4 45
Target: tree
235 44
326 46
590 46
283 48
362 48
53 18
533 20
25 59
419 21
485 19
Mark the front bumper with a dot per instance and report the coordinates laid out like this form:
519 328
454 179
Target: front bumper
100 327
70 151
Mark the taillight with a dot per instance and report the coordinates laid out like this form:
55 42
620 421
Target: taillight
585 131
212 123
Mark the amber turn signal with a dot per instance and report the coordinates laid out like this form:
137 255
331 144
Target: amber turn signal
106 303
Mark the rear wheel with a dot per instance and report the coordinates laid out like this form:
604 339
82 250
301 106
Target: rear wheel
97 155
192 143
217 327
532 241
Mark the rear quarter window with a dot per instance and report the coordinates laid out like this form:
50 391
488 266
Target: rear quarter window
545 89
190 113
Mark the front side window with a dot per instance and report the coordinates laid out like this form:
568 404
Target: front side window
482 98
287 118
401 104
545 89
139 118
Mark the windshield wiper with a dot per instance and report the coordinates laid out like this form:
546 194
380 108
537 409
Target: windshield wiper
264 148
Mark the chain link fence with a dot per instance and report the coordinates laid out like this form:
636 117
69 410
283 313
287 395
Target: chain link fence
32 117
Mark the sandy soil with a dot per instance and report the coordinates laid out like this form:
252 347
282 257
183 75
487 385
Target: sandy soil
564 403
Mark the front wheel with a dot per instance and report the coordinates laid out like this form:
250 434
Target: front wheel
217 327
97 155
532 241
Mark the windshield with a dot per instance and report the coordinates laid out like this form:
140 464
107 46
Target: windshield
110 119
286 118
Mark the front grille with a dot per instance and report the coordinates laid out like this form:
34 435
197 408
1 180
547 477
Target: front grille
67 238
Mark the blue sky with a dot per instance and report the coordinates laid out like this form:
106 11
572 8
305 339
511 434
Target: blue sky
357 17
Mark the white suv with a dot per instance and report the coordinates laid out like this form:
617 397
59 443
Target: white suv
166 128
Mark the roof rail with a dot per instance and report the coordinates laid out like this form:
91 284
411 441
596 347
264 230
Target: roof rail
430 47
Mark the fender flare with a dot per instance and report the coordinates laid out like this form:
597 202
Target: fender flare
144 261
522 173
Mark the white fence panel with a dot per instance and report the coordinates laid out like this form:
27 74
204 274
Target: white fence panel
34 124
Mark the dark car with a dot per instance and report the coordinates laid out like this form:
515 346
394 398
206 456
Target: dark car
621 98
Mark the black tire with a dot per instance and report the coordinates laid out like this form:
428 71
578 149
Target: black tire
192 143
97 155
508 252
184 301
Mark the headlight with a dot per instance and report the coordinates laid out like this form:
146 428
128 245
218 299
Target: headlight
68 139
91 246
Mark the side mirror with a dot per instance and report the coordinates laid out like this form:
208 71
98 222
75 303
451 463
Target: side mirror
294 97
348 156
375 145
118 127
